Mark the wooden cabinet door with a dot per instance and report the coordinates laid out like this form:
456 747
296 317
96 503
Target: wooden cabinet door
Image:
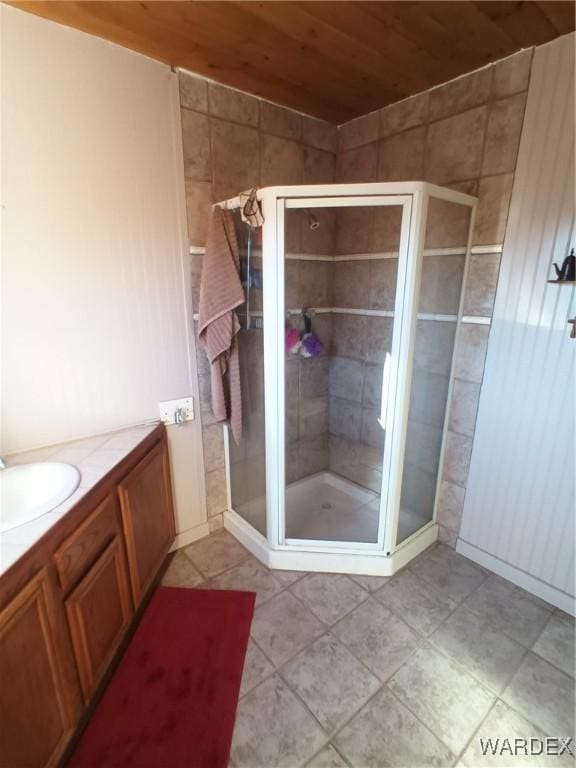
35 720
99 612
147 517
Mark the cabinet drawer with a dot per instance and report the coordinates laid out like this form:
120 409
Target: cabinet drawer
99 612
82 548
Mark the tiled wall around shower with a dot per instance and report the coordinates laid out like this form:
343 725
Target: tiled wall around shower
465 135
233 141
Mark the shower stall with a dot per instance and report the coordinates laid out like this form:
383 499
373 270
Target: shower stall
338 468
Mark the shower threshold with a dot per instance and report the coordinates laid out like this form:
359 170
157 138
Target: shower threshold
328 507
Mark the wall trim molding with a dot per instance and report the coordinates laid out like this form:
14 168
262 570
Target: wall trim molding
190 535
517 576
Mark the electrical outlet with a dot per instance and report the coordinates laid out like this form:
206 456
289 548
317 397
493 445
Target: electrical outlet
177 411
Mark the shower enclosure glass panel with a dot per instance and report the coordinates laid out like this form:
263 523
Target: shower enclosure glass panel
442 277
339 464
247 461
341 267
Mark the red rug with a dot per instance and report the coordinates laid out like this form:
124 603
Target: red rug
172 701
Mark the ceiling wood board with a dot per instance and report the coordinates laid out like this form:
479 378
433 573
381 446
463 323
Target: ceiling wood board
333 60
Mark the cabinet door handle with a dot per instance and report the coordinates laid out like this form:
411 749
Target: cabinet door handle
573 331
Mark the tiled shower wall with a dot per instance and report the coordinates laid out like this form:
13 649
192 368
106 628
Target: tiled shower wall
308 283
465 135
361 341
233 141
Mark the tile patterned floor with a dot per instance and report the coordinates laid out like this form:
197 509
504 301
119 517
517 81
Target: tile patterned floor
407 672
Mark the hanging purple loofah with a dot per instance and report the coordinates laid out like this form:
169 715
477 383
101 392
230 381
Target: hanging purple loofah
311 345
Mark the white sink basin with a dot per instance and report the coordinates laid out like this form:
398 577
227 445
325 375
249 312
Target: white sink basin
30 490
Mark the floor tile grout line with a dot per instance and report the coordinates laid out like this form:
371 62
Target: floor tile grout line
424 639
288 587
464 669
446 654
528 720
332 734
497 696
249 556
422 723
254 591
409 708
498 629
206 579
427 642
424 634
463 602
476 731
328 627
357 605
327 630
427 636
531 649
383 684
551 663
339 753
266 677
325 627
421 640
329 743
307 708
409 567
500 700
533 599
372 697
278 671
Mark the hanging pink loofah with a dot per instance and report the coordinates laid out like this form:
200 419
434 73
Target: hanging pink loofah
293 342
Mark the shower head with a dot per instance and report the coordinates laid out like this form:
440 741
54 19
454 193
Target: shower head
313 222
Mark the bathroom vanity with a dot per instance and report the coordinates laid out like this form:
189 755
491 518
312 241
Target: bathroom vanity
68 601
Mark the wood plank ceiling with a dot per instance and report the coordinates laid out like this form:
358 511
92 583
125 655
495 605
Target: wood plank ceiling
334 60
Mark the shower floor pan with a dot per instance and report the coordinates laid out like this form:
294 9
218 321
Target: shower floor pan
327 507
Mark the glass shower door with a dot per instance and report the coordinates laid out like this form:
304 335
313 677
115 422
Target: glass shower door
343 267
438 305
247 460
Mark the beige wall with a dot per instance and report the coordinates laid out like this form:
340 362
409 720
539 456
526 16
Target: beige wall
231 142
465 135
96 315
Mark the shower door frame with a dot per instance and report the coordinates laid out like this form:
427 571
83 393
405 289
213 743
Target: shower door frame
389 406
385 556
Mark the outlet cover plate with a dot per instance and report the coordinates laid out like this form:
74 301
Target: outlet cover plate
168 409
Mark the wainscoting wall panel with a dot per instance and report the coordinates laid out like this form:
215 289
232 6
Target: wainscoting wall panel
519 506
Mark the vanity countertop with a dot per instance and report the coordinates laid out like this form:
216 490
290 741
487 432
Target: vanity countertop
94 456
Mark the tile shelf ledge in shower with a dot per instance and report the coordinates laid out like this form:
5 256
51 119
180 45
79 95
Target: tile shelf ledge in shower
339 466
476 250
466 319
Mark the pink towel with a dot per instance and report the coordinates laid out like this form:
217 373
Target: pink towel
220 293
